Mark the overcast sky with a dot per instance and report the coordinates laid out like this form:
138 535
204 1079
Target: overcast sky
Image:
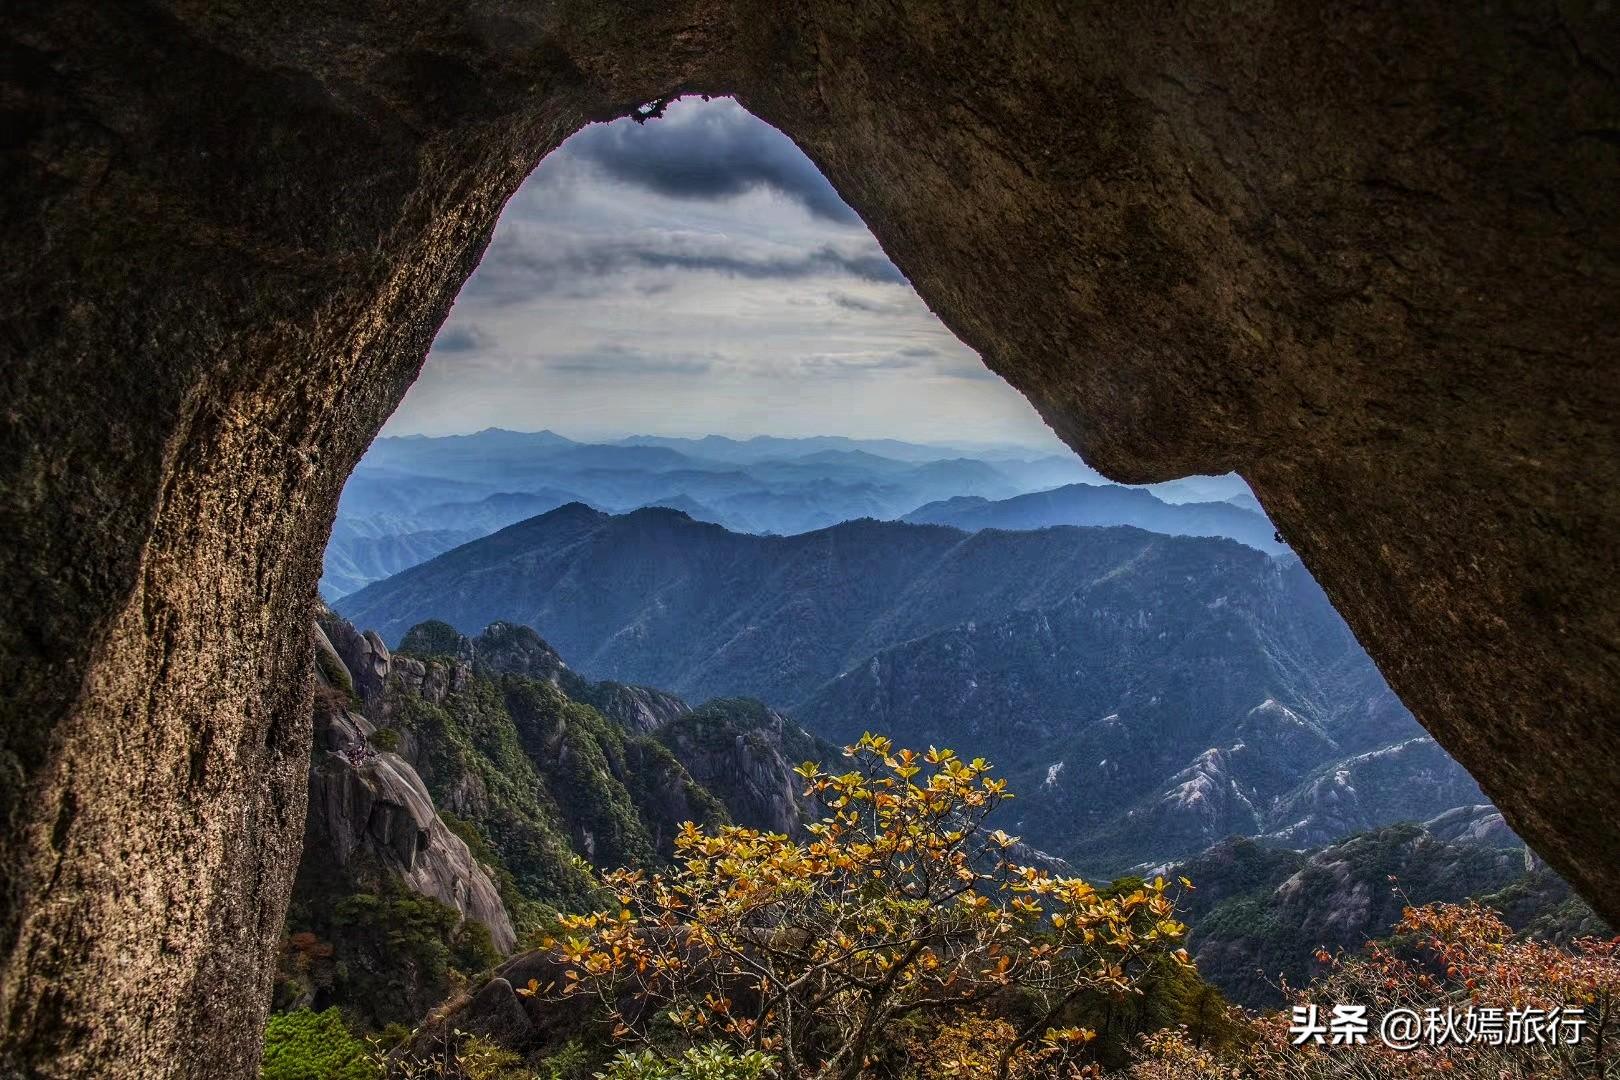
697 275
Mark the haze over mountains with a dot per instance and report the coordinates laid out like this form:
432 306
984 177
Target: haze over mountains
1105 504
1148 694
414 497
1159 679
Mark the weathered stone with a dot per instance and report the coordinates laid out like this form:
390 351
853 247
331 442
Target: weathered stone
363 655
364 799
1369 259
495 1013
757 781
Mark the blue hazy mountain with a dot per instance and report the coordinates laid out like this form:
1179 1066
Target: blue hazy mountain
413 497
1104 504
1148 694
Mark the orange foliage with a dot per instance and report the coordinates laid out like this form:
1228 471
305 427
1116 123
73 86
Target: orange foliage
1444 957
901 906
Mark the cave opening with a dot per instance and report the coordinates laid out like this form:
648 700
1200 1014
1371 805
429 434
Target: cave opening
678 324
1384 295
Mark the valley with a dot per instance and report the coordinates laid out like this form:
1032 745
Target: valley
463 789
547 692
1150 694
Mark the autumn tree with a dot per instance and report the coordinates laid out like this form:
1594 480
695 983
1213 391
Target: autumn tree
1443 960
901 908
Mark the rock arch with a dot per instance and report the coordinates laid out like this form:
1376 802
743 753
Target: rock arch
1369 258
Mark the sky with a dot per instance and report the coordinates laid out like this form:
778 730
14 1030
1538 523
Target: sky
697 275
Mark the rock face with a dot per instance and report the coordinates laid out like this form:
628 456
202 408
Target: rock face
366 800
1371 263
730 757
745 753
473 797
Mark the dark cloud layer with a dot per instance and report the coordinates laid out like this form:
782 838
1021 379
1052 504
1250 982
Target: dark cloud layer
697 274
516 272
861 303
711 153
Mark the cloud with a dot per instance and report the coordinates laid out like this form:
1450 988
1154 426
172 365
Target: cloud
860 363
618 361
698 273
861 303
523 267
709 152
461 338
921 360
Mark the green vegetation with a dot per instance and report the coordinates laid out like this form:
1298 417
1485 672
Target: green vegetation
540 787
560 787
432 638
417 930
480 1059
589 758
523 909
305 1045
337 676
469 742
384 957
572 1062
712 1061
1543 905
1260 915
716 724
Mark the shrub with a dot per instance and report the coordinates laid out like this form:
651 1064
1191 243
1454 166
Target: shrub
571 1062
429 935
342 693
481 1059
432 638
305 1045
711 1061
903 905
1443 956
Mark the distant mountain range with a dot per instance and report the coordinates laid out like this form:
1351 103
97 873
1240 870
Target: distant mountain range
1160 681
414 497
1108 504
1147 694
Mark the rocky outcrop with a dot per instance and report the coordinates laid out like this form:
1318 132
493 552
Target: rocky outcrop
390 906
1371 263
511 649
745 753
369 802
637 708
365 659
1406 781
525 1024
505 648
1479 824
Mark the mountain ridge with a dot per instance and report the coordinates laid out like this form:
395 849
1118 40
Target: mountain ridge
415 486
1150 693
1103 504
